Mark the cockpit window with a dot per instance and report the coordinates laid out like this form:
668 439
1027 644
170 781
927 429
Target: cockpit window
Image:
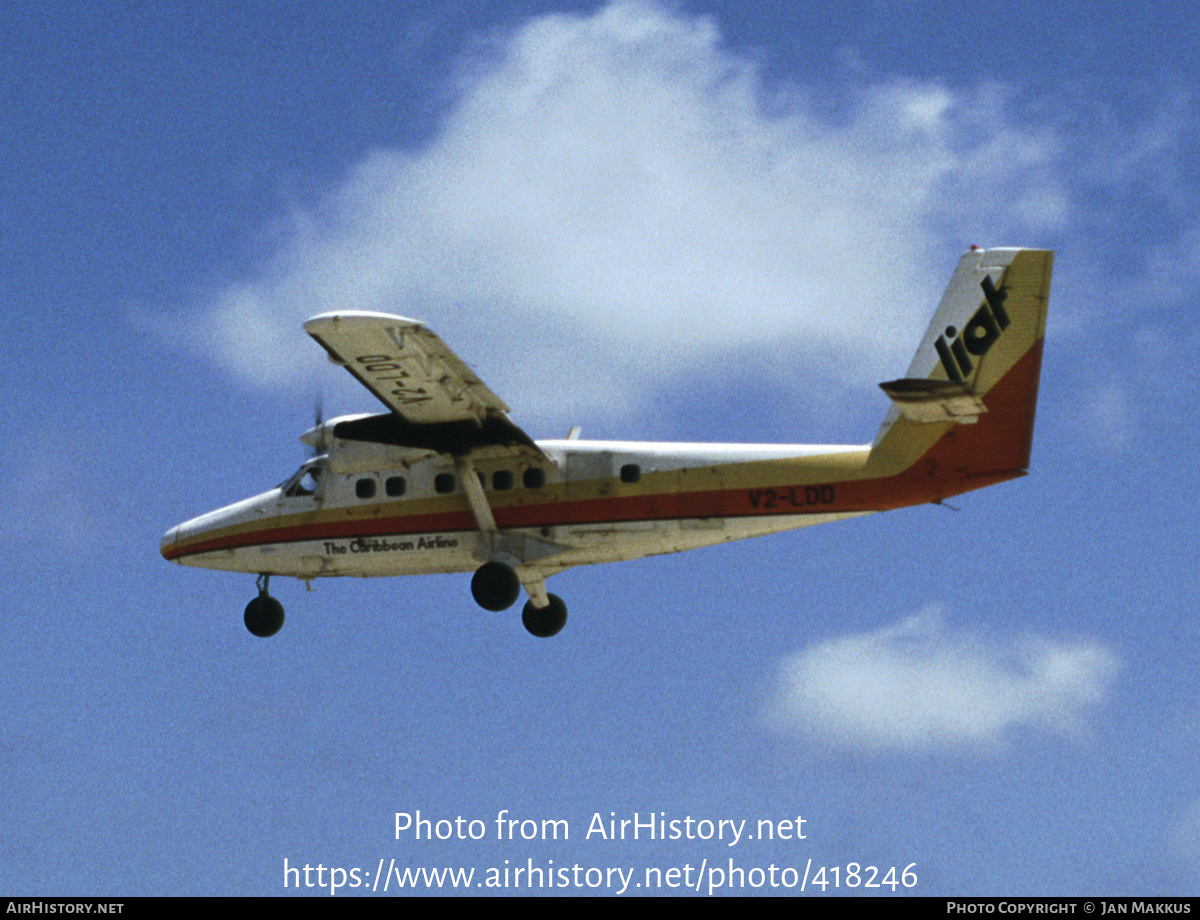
304 481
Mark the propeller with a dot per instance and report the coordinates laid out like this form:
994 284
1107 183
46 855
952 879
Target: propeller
317 445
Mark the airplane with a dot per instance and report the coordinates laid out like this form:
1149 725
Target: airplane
445 482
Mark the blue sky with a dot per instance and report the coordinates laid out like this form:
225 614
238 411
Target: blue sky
702 221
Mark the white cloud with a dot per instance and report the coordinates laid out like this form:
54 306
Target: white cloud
922 686
623 189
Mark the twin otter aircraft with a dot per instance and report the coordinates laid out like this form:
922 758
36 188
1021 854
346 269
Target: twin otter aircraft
445 482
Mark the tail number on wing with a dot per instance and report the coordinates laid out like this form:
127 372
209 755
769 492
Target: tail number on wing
791 497
378 365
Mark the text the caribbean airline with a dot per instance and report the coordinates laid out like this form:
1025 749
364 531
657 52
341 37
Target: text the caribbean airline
445 482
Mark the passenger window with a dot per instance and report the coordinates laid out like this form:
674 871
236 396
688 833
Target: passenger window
502 480
365 488
395 486
631 472
534 477
443 483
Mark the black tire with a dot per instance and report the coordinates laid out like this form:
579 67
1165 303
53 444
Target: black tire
264 616
495 586
547 621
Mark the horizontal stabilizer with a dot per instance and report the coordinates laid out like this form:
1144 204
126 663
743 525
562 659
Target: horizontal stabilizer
926 400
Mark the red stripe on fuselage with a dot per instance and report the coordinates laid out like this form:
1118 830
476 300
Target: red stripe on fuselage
964 458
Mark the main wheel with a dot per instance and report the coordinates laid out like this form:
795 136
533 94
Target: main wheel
495 586
264 616
547 621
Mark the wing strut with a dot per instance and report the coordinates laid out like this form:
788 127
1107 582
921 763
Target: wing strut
512 548
484 519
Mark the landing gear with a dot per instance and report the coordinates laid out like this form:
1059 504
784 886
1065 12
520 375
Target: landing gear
547 621
495 586
264 614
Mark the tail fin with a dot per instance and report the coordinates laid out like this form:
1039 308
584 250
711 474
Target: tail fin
966 406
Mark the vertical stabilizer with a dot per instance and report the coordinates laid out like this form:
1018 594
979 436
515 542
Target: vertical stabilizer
966 406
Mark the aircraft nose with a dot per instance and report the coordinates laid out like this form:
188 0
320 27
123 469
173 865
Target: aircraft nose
168 542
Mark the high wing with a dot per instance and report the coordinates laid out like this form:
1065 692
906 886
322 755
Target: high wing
405 365
437 402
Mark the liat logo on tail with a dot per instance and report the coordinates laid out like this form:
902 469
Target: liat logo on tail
978 336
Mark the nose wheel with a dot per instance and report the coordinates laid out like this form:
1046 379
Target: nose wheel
264 614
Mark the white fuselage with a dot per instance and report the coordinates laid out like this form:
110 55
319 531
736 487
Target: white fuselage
368 513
